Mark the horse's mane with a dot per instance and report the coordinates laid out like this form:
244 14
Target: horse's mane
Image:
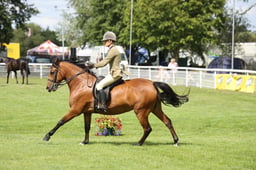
83 67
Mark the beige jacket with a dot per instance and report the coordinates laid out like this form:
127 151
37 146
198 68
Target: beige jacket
113 58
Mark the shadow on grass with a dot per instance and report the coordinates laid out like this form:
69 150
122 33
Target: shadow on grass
145 144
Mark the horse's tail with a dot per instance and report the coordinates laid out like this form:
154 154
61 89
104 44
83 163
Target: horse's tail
168 96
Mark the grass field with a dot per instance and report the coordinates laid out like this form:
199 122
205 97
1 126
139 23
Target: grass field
217 130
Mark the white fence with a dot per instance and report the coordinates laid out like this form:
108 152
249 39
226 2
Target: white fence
187 76
37 70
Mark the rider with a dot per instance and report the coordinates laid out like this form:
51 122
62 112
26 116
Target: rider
113 58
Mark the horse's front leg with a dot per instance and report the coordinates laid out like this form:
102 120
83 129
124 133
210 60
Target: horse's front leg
15 73
50 133
87 127
70 115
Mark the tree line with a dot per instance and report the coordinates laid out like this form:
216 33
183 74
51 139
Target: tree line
169 26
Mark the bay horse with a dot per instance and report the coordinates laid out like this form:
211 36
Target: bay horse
17 64
140 95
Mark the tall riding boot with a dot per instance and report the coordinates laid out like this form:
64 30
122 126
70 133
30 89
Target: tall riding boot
102 98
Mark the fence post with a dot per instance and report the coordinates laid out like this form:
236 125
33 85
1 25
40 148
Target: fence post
187 77
41 71
215 80
139 72
200 78
149 73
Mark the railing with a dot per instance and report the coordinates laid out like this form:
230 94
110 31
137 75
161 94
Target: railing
187 76
37 69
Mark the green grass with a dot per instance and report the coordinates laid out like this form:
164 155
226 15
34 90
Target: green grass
217 130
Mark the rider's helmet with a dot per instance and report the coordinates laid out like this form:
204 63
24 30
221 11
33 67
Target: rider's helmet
109 36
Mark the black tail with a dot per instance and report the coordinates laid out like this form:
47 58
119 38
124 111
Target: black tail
168 96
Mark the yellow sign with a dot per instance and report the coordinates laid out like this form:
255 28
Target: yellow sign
243 83
249 85
13 50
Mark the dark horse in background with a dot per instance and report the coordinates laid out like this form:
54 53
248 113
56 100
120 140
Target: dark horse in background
140 95
15 65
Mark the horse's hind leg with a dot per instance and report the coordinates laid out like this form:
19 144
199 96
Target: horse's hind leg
143 118
27 77
7 78
22 74
160 114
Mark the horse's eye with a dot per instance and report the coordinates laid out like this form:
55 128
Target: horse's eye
51 72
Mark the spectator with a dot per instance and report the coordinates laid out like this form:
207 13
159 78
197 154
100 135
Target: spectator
173 65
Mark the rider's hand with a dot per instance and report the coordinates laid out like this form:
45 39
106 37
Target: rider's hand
89 64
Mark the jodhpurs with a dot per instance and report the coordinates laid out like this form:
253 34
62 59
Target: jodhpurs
106 81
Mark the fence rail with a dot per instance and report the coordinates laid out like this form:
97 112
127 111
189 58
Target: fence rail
187 76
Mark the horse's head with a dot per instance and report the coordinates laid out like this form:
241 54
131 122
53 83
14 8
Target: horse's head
2 60
54 77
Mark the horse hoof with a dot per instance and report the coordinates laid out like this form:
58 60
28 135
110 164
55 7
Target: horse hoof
83 143
175 144
46 138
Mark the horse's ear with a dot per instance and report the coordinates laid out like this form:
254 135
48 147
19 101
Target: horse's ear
56 61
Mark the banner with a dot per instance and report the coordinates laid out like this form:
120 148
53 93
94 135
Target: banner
243 83
13 50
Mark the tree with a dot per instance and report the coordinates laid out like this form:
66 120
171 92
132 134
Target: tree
175 25
95 17
170 26
68 29
13 13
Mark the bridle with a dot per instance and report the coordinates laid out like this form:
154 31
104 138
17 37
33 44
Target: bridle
63 82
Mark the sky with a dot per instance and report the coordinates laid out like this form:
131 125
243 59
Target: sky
241 7
50 12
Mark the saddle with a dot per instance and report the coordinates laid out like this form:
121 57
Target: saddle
106 90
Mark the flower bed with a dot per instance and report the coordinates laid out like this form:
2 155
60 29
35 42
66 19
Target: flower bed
108 126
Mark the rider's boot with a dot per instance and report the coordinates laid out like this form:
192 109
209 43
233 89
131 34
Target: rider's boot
102 98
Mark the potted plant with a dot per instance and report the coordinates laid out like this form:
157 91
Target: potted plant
108 126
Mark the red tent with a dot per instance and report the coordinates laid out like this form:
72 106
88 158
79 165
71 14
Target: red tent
47 48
